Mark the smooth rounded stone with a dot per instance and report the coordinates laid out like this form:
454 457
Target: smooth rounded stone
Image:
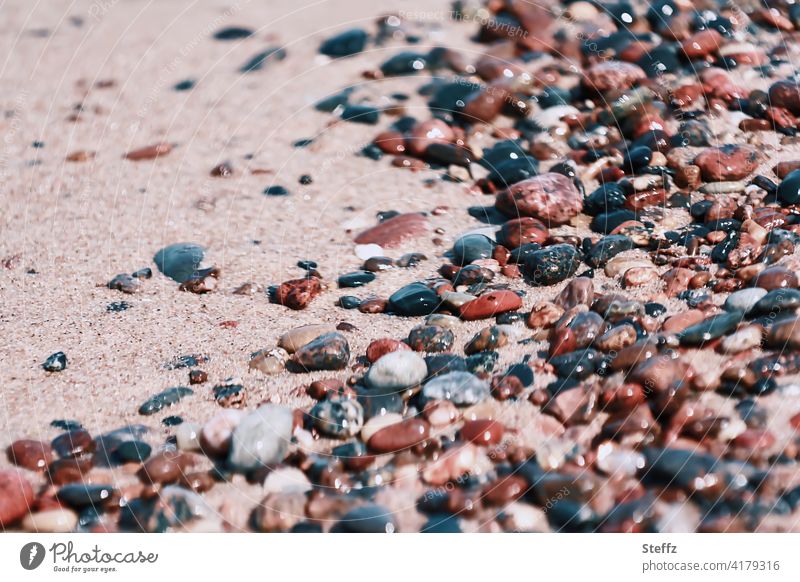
366 519
460 388
369 251
777 277
380 347
521 231
125 283
261 438
56 520
73 443
785 93
489 305
180 261
444 320
187 436
607 75
710 329
455 462
287 480
456 299
394 231
345 43
80 494
483 432
789 188
489 338
132 451
216 433
430 338
30 454
413 300
482 362
579 364
616 338
727 163
164 399
472 247
660 373
16 497
579 291
744 339
378 423
744 300
327 352
614 460
776 301
607 248
232 33
349 302
399 436
297 294
338 417
551 265
444 363
355 279
56 362
607 222
550 197
269 361
785 334
397 371
165 467
298 337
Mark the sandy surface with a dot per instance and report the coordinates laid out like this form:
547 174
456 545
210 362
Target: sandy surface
66 228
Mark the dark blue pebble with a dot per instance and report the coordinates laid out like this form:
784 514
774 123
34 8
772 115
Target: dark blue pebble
344 44
55 362
276 191
349 302
355 279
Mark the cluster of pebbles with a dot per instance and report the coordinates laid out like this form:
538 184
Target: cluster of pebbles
637 243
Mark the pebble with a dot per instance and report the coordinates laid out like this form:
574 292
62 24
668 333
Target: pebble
430 338
327 352
369 518
413 300
711 328
489 305
727 162
56 520
380 347
298 293
269 361
287 480
78 495
73 443
338 417
789 188
164 399
396 371
472 247
460 388
744 300
521 231
608 75
56 362
132 451
784 334
394 231
355 279
488 339
125 283
551 198
150 152
345 43
16 497
261 438
180 262
30 454
369 251
775 278
551 265
298 337
399 436
744 339
483 432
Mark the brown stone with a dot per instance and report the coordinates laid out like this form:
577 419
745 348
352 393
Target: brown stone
550 197
73 443
579 291
426 133
775 278
16 497
681 321
727 162
521 231
30 454
399 436
785 94
505 386
390 142
489 305
381 347
298 293
483 432
166 467
392 232
677 280
70 469
702 44
504 490
785 334
150 152
660 373
608 75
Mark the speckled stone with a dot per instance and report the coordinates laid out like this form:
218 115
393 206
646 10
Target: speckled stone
327 352
460 388
261 438
338 417
396 371
551 197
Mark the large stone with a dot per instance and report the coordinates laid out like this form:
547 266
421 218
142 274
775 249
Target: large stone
261 438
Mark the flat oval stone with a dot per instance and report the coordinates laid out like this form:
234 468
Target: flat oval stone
56 520
180 261
338 417
30 454
413 300
355 279
785 94
327 352
608 75
785 334
298 337
460 388
489 305
164 399
579 291
394 231
16 497
744 339
521 231
397 371
483 432
132 451
380 347
345 43
711 328
472 247
744 300
659 373
550 197
789 188
728 162
165 467
607 248
73 443
551 265
399 436
487 339
776 301
775 278
261 438
82 494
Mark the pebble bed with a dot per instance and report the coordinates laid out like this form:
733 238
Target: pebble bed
608 342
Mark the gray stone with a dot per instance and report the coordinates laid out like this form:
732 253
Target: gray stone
261 438
461 388
396 371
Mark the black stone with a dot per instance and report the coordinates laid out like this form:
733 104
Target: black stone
233 33
607 248
413 300
355 279
606 222
551 265
164 399
260 60
55 362
276 191
366 114
349 302
404 63
345 44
